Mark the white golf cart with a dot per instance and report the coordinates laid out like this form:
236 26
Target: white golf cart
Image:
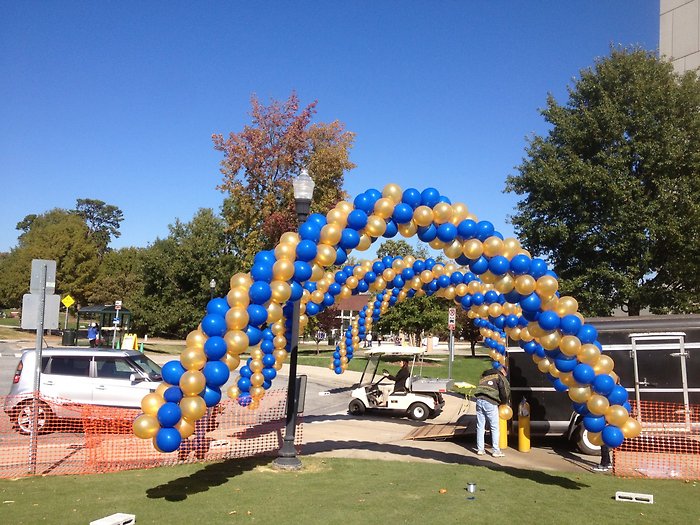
422 399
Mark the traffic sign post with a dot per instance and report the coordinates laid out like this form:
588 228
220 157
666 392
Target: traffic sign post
451 322
67 301
115 322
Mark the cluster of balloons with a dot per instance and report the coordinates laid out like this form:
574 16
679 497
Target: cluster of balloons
496 281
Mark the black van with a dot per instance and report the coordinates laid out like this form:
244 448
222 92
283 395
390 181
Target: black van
657 358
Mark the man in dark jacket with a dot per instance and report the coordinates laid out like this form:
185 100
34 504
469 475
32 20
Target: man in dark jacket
492 391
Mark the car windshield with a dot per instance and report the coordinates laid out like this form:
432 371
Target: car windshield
148 366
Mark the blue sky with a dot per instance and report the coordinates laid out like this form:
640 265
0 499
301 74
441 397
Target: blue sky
118 100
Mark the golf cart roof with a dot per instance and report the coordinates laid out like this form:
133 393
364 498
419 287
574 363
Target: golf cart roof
395 350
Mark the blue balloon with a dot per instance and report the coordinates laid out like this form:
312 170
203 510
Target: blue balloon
565 365
260 292
216 373
443 281
268 360
538 268
477 299
570 324
499 265
407 274
584 374
302 271
254 335
603 384
587 334
269 373
391 230
594 423
218 306
244 399
173 394
310 232
349 239
484 230
447 232
317 219
306 251
297 291
171 372
374 194
612 436
357 219
243 384
168 439
215 347
364 202
618 395
548 320
531 303
213 325
429 197
457 278
312 308
257 314
411 196
211 395
169 414
520 264
479 266
403 213
467 229
264 257
418 266
427 233
261 272
580 408
559 386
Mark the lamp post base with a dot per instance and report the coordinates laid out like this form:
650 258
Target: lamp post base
287 463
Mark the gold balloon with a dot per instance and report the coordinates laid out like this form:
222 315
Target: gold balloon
604 365
146 426
244 280
365 243
423 216
345 207
238 297
493 246
231 361
472 248
551 341
462 289
580 394
274 312
454 249
426 276
376 226
317 296
511 247
257 393
233 392
596 438
151 403
192 382
193 358
161 388
326 255
459 213
316 273
567 305
442 213
285 251
546 286
570 345
568 379
397 265
631 429
450 293
257 379
280 355
352 282
384 208
598 405
550 304
196 339
337 216
544 365
388 274
290 237
279 342
236 341
525 284
278 328
393 192
616 415
330 234
283 270
436 244
505 412
408 230
504 284
193 408
589 354
185 428
495 310
237 318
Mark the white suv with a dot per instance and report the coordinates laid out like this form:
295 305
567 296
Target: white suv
75 376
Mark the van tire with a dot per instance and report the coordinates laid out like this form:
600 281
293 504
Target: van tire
580 439
21 418
356 407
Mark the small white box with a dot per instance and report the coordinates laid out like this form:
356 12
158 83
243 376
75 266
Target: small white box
634 497
116 519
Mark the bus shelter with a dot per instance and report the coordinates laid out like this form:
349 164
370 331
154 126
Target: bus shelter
106 317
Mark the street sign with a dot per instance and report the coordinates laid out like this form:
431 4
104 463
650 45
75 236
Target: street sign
117 305
451 318
38 274
30 311
68 301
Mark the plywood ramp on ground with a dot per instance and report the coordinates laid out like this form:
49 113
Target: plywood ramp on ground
437 431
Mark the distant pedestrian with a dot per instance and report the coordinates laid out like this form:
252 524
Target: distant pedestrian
92 334
368 340
379 339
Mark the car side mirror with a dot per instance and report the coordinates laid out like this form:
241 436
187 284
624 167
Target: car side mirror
135 378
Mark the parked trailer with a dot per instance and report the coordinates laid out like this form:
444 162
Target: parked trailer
656 357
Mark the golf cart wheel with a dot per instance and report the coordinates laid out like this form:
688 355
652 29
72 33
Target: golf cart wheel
22 418
356 407
418 411
582 442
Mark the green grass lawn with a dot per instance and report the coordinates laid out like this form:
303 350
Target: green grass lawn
340 491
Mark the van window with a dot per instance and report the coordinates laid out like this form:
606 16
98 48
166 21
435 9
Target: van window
111 368
69 366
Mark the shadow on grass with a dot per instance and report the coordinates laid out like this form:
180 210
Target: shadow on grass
212 475
537 476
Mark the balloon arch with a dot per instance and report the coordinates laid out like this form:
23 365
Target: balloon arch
500 285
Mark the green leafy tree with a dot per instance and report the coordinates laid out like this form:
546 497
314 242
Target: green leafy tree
612 192
56 235
261 161
401 248
177 271
120 277
465 328
322 323
102 221
415 316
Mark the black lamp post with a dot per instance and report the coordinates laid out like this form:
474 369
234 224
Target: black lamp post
212 285
303 192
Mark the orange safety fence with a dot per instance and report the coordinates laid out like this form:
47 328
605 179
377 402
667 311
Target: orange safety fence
667 448
87 439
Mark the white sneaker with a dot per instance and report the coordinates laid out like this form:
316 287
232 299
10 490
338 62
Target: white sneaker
480 452
498 454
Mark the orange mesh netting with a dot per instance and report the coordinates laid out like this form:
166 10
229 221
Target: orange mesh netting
85 439
669 446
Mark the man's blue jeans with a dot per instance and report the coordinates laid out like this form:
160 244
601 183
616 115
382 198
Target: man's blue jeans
484 411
